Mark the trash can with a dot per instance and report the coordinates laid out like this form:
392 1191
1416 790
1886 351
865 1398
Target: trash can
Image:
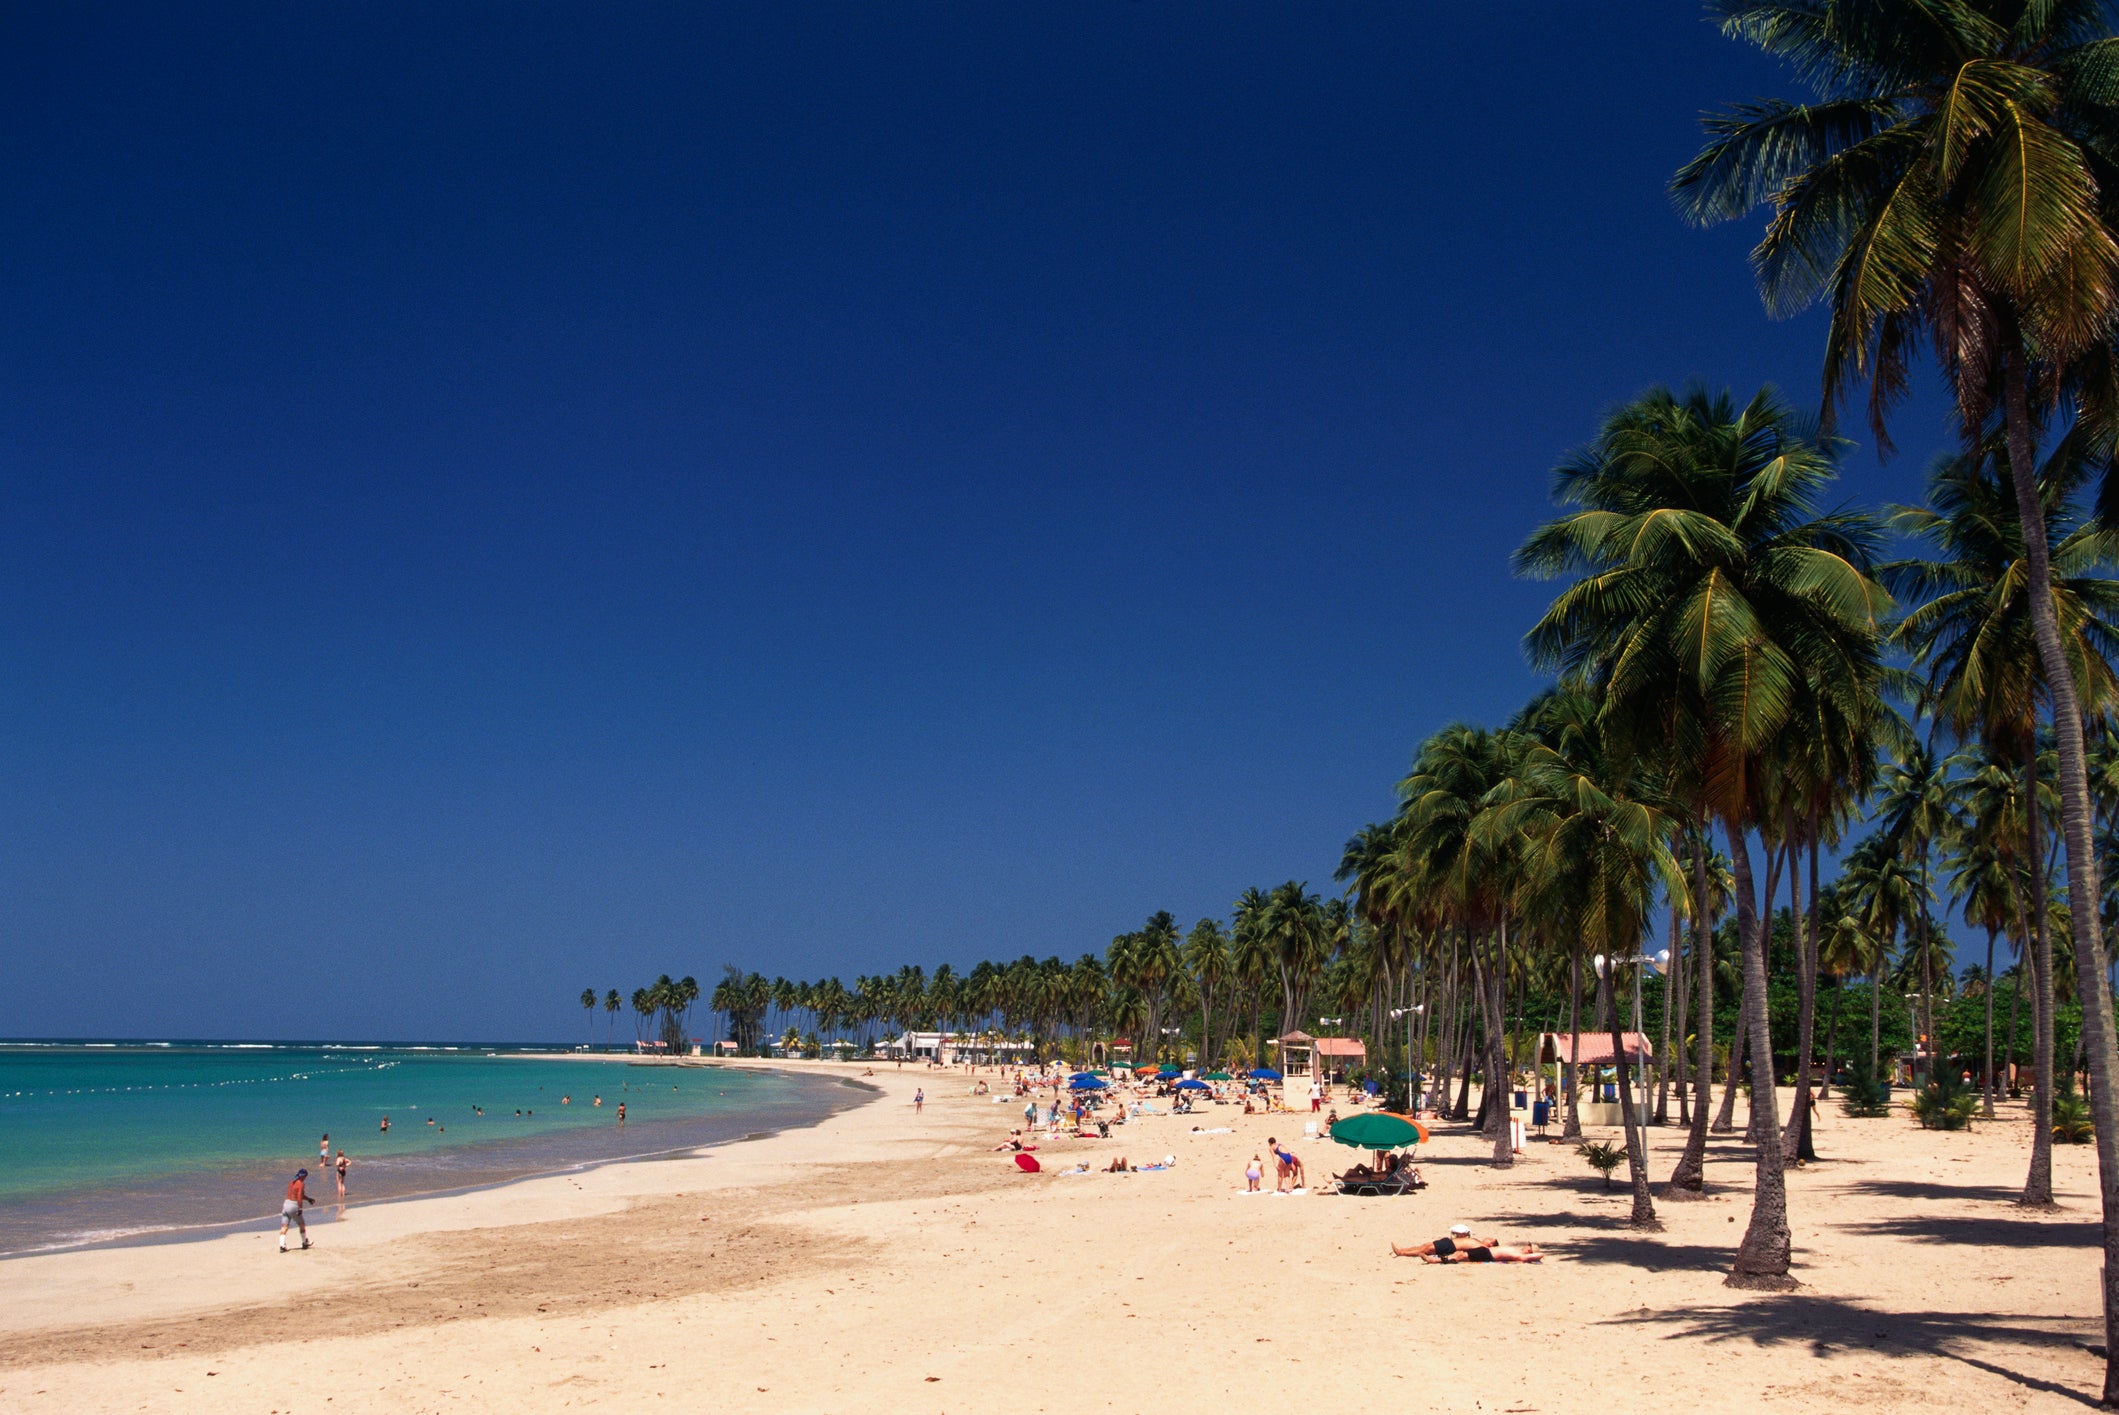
1541 1114
1522 1099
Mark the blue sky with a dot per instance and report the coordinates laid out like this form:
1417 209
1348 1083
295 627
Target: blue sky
506 498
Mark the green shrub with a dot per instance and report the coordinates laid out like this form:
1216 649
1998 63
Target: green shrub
1602 1156
1945 1104
2071 1115
1865 1096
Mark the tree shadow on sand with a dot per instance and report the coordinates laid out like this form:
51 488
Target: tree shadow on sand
1828 1326
1922 1189
1987 1232
1610 1241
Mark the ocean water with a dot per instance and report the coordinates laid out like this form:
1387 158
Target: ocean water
153 1141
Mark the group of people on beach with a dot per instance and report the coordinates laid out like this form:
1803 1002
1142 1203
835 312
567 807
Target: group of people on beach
295 1203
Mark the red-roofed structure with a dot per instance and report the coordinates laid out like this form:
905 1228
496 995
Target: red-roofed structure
1556 1048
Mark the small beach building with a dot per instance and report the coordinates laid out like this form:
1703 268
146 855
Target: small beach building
949 1047
1556 1050
1337 1053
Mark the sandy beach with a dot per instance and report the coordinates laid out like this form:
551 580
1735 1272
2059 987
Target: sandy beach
887 1260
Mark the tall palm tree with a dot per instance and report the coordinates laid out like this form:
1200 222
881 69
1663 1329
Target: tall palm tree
1709 600
1971 637
1206 959
1913 809
611 1004
1595 849
1251 956
588 1005
1951 185
1981 861
1467 876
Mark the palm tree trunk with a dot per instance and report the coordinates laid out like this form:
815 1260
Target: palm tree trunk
1497 1077
1876 1019
2008 1065
1987 1073
1797 1146
1643 1216
1839 994
2092 978
1762 1260
2038 1184
1572 1076
1739 1053
1776 856
1689 1179
1676 988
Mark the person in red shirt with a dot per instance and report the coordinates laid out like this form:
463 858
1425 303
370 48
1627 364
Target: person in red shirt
291 1208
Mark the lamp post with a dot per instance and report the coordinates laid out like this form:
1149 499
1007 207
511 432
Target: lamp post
1658 960
1412 1102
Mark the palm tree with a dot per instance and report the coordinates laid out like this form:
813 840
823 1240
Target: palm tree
1951 184
1913 810
1206 959
1971 636
1251 955
1710 602
1595 848
611 1004
588 1005
1981 862
1465 876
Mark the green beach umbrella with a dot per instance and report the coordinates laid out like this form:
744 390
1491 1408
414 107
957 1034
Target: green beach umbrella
1378 1130
1219 1076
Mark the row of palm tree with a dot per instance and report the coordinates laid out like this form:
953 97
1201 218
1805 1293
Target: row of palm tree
1952 186
1742 681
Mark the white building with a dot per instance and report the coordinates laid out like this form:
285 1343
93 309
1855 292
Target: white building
949 1046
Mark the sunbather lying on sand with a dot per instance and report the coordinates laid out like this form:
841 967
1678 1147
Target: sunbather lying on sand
1462 1247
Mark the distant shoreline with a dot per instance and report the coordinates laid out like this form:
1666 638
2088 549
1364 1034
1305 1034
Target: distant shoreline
191 1205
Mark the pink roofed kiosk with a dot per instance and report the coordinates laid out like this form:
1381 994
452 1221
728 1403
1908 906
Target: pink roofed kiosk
1556 1049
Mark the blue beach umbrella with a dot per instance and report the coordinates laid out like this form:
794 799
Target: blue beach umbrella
1083 1081
1193 1086
1264 1073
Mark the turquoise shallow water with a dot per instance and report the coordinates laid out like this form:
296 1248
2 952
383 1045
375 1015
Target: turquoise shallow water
110 1142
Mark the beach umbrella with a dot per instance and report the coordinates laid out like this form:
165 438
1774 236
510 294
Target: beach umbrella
1167 1069
1193 1086
1085 1082
1218 1076
1379 1130
1027 1164
1144 1071
1264 1073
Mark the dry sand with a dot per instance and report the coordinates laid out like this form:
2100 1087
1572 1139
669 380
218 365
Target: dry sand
887 1262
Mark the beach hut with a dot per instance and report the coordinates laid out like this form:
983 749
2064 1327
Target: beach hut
1336 1053
1555 1050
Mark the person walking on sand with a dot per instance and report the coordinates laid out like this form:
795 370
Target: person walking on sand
342 1166
919 1099
1316 1097
291 1208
